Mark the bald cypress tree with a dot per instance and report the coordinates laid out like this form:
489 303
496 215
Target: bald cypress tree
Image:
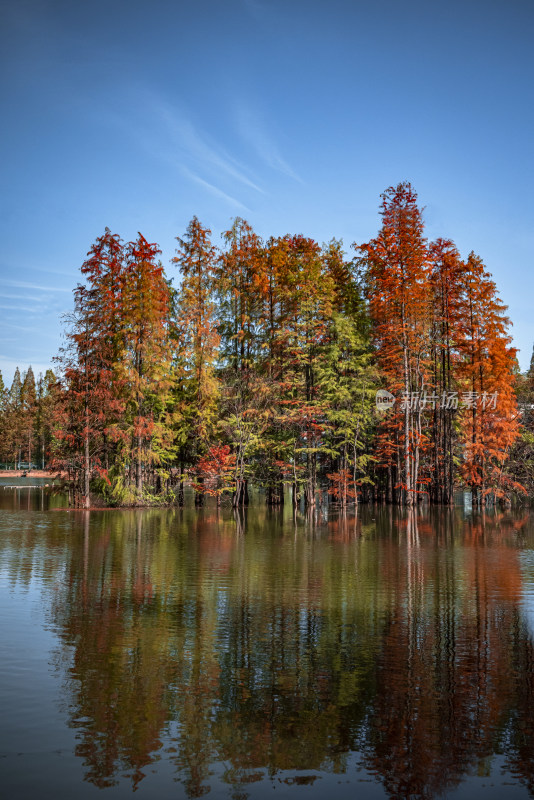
399 292
3 430
145 365
14 419
28 414
47 397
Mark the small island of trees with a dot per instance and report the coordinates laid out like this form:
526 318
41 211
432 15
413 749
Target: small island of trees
258 364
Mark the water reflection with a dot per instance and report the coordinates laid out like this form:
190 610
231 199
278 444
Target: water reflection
238 650
29 494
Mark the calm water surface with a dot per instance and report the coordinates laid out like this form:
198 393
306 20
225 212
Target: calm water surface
179 653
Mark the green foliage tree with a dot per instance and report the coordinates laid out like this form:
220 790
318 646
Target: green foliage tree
196 341
28 399
47 397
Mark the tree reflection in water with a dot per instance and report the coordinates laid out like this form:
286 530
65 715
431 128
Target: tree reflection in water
268 645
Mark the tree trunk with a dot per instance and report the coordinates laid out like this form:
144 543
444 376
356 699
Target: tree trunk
407 463
86 474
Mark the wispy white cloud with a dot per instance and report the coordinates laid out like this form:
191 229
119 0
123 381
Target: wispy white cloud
48 271
253 130
34 286
28 298
17 263
26 309
187 137
168 134
25 329
213 189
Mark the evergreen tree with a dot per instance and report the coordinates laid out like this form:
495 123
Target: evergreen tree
3 420
348 381
241 287
306 298
47 397
197 341
29 410
15 420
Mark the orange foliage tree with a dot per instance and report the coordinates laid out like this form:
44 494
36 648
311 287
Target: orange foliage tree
398 289
90 404
145 366
446 277
489 419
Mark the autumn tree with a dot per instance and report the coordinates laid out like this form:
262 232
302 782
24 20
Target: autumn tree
105 273
489 418
520 465
305 307
447 310
398 290
215 472
91 407
145 367
264 360
242 284
347 295
78 422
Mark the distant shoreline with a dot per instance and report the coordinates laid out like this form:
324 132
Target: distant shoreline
33 473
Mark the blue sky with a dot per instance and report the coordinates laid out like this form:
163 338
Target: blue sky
294 115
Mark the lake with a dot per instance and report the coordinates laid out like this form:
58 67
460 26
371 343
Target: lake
182 652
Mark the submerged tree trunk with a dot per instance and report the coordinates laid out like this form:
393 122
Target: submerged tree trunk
199 495
181 486
275 492
241 497
87 462
139 467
